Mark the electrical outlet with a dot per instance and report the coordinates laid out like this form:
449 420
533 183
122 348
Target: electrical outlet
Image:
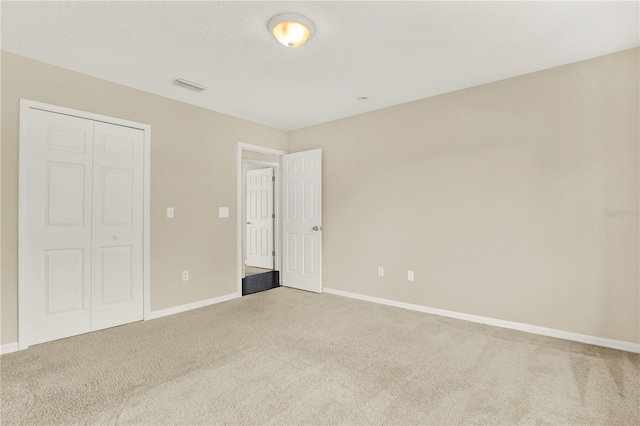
169 212
380 271
185 276
410 275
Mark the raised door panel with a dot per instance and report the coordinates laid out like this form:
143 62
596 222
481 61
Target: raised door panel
63 281
118 147
291 201
291 251
66 139
117 193
65 188
116 274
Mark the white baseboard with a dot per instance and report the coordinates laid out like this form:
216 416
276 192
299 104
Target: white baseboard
189 306
534 329
7 348
13 347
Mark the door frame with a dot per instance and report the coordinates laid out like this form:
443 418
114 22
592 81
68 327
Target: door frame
26 106
240 214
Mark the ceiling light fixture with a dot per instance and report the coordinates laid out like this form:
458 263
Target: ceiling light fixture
291 30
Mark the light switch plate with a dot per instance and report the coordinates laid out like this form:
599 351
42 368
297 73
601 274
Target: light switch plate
169 212
223 212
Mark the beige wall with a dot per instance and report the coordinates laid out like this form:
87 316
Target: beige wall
495 196
193 169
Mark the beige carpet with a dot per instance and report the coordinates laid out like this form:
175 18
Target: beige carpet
290 357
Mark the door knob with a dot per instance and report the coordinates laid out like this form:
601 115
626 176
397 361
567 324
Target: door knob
115 237
317 228
249 223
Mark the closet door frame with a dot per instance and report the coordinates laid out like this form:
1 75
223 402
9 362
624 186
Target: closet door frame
26 106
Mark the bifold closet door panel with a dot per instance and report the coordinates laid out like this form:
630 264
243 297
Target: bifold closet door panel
58 276
117 246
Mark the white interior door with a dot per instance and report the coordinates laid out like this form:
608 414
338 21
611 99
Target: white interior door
84 242
302 221
117 246
59 236
260 218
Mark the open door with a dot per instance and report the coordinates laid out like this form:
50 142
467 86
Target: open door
260 217
302 220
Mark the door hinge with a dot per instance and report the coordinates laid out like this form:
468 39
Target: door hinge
273 253
273 215
273 178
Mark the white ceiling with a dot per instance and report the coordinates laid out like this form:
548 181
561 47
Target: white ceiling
393 52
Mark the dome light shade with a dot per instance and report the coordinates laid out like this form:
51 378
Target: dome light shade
291 30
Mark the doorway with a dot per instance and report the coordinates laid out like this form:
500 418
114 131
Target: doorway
260 271
258 211
260 217
297 228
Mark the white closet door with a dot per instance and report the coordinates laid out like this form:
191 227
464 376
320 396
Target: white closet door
117 285
59 235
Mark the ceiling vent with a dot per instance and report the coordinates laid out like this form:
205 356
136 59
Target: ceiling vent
186 84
